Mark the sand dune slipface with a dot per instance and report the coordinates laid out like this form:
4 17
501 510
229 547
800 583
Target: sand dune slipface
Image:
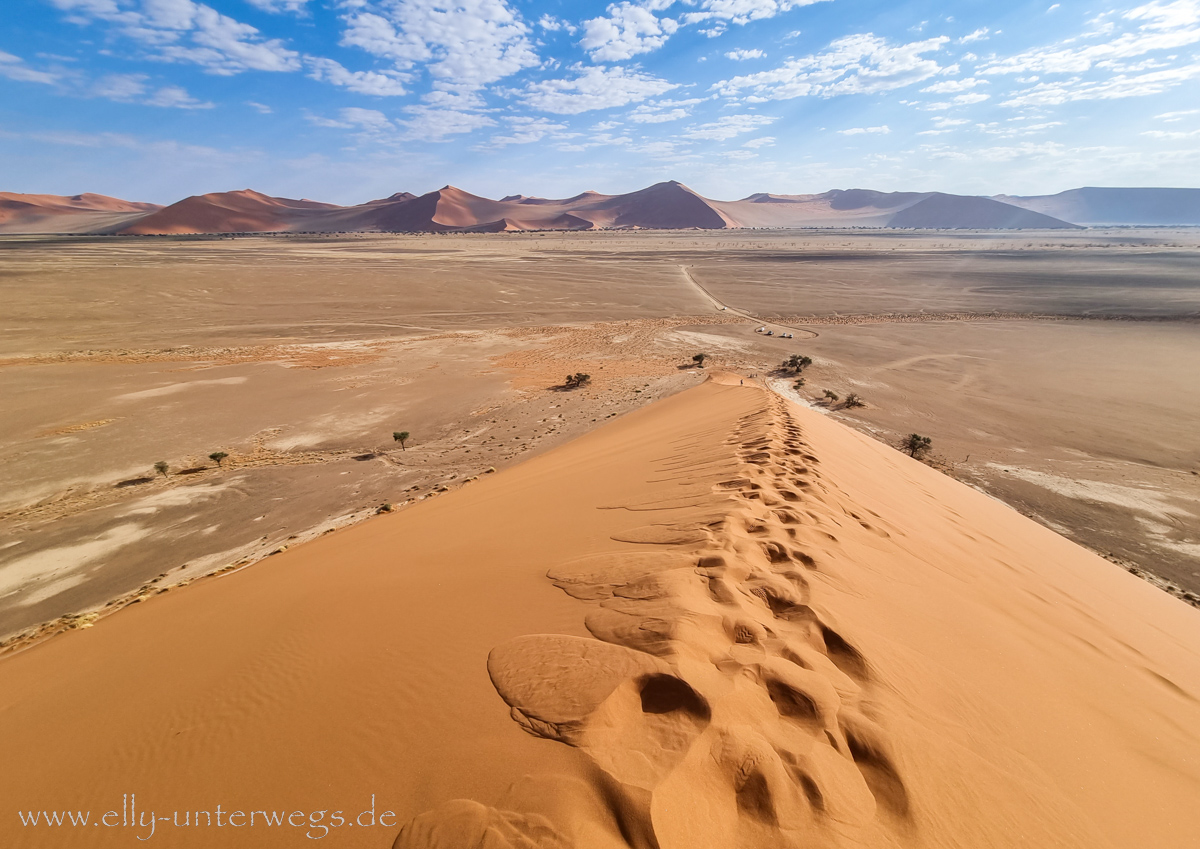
720 621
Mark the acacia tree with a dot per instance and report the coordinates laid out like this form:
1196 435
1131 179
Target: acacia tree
217 457
161 467
853 400
400 436
916 445
796 363
574 381
699 359
831 396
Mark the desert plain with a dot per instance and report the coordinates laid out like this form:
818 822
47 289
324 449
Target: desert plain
677 606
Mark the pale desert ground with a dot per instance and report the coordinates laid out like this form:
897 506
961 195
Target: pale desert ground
805 638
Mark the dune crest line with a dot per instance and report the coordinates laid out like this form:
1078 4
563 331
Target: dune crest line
719 707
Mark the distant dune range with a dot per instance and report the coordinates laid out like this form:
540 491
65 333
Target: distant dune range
663 206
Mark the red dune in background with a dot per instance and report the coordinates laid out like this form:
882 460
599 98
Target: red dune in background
663 206
20 213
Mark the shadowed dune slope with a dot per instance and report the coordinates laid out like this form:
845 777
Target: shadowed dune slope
1100 206
22 213
942 211
721 621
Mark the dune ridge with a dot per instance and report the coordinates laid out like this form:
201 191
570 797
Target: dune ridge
719 621
723 705
668 205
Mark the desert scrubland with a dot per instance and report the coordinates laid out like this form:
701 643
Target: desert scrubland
805 637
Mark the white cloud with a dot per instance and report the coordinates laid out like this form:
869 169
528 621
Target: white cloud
858 131
743 11
526 130
380 84
14 68
951 86
743 55
1163 134
594 88
978 35
262 108
434 123
856 64
1163 27
661 111
650 115
728 127
553 24
629 29
942 122
763 141
175 97
595 140
466 43
295 7
186 31
1172 117
1121 86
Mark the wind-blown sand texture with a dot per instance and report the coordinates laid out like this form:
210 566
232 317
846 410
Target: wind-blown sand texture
720 621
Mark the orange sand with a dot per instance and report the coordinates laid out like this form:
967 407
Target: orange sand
808 640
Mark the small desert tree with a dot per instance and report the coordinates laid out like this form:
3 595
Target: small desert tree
699 359
916 445
798 383
796 363
852 400
217 457
831 396
162 468
401 436
574 381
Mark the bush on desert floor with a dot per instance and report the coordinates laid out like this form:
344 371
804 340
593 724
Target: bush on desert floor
831 396
699 359
915 445
401 436
218 456
574 381
162 468
853 400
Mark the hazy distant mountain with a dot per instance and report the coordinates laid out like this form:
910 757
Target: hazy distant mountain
1096 206
663 206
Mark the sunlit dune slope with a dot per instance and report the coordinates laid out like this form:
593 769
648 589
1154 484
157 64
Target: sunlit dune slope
721 621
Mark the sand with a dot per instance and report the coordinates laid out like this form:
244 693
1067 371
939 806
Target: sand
798 636
299 356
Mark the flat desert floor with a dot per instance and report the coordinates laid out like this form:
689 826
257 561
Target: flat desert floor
1054 371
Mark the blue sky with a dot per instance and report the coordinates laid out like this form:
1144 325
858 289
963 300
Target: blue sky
348 100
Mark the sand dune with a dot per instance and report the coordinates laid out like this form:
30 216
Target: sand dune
1100 206
664 206
228 212
21 213
752 627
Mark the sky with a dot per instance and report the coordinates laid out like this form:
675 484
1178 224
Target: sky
349 100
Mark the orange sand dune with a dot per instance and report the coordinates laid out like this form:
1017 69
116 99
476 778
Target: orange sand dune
668 205
22 213
721 621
